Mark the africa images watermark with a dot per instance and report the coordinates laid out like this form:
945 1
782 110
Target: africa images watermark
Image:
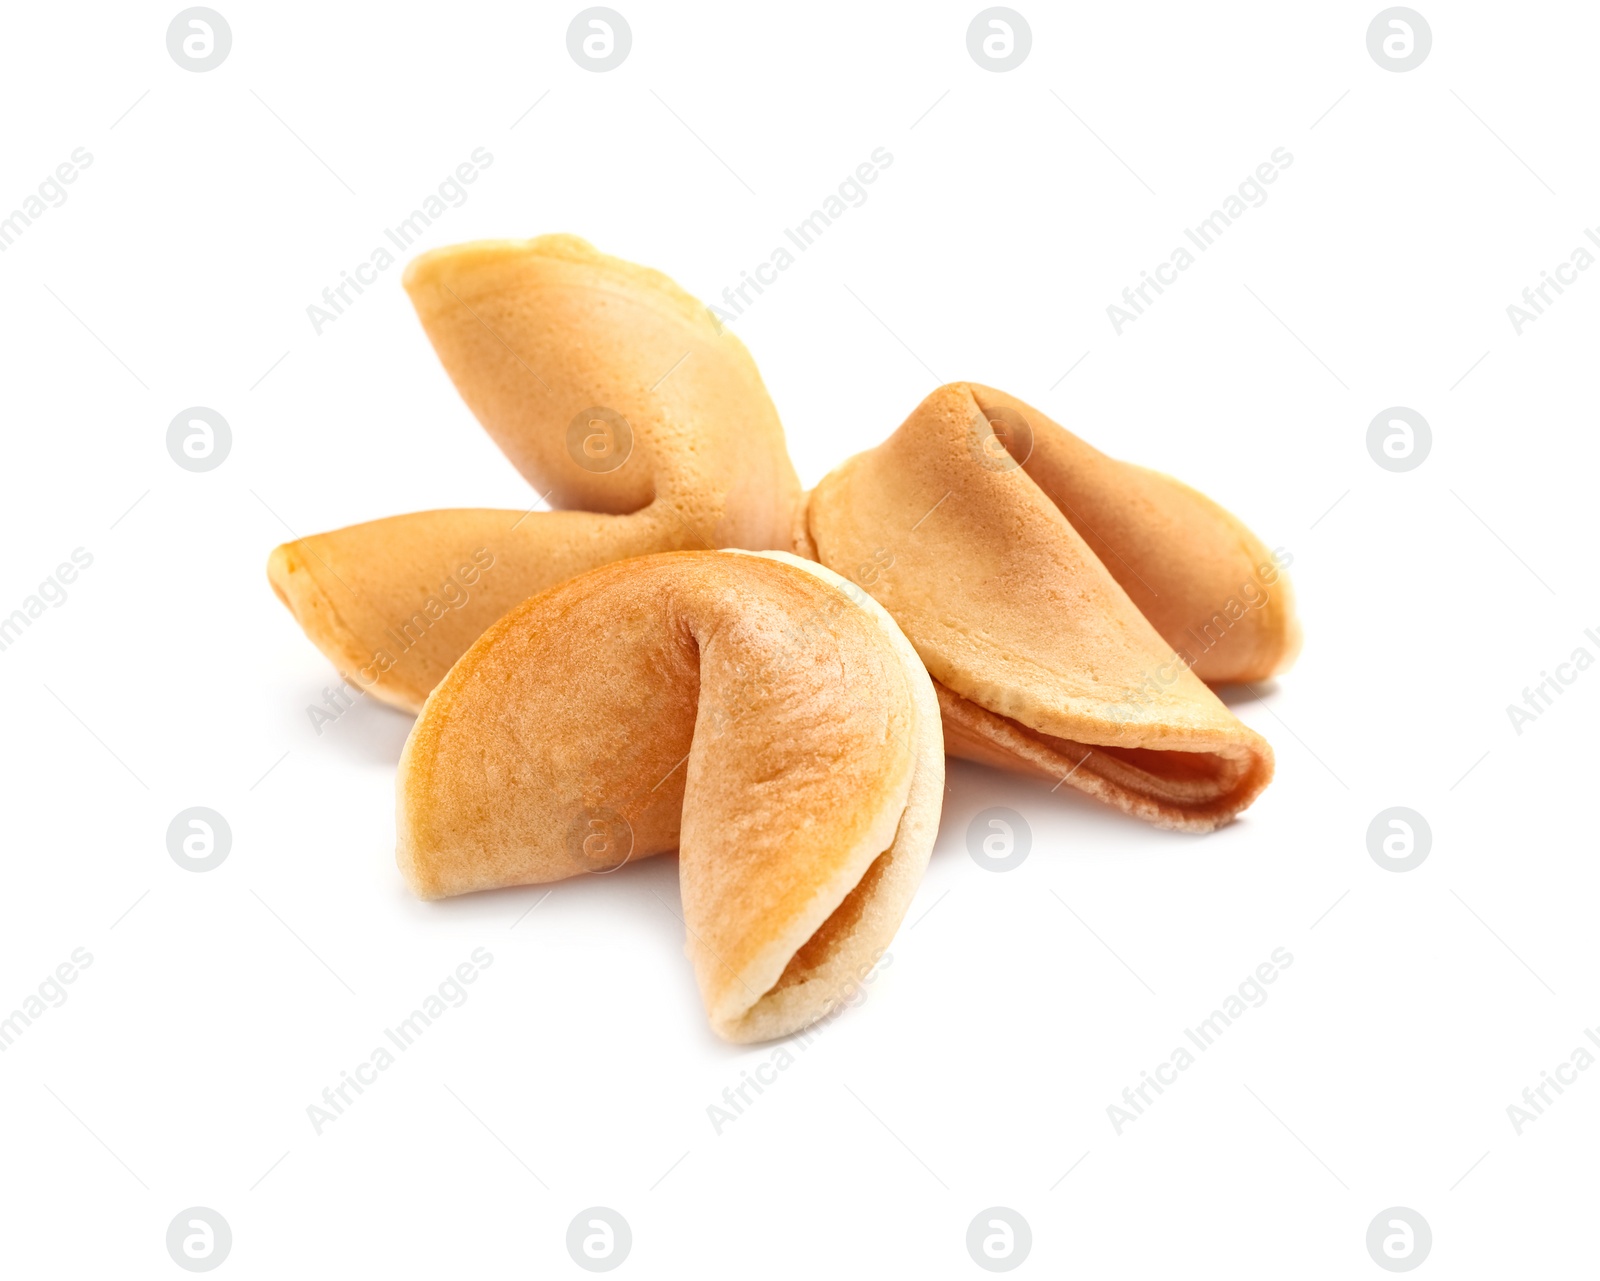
450 994
850 194
51 194
1537 297
1539 699
50 994
1536 1098
51 592
451 193
736 1098
1202 1036
453 593
1253 593
1250 194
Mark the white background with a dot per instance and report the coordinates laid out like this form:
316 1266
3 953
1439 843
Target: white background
979 1071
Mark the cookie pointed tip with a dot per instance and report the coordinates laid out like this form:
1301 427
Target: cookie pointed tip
281 566
1294 640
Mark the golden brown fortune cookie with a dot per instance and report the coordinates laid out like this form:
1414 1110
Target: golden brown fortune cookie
1042 662
756 712
614 392
1207 584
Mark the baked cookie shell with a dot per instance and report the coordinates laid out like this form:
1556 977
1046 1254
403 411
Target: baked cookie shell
750 711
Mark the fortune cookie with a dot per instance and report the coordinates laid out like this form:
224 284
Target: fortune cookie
1205 582
614 392
978 542
757 713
